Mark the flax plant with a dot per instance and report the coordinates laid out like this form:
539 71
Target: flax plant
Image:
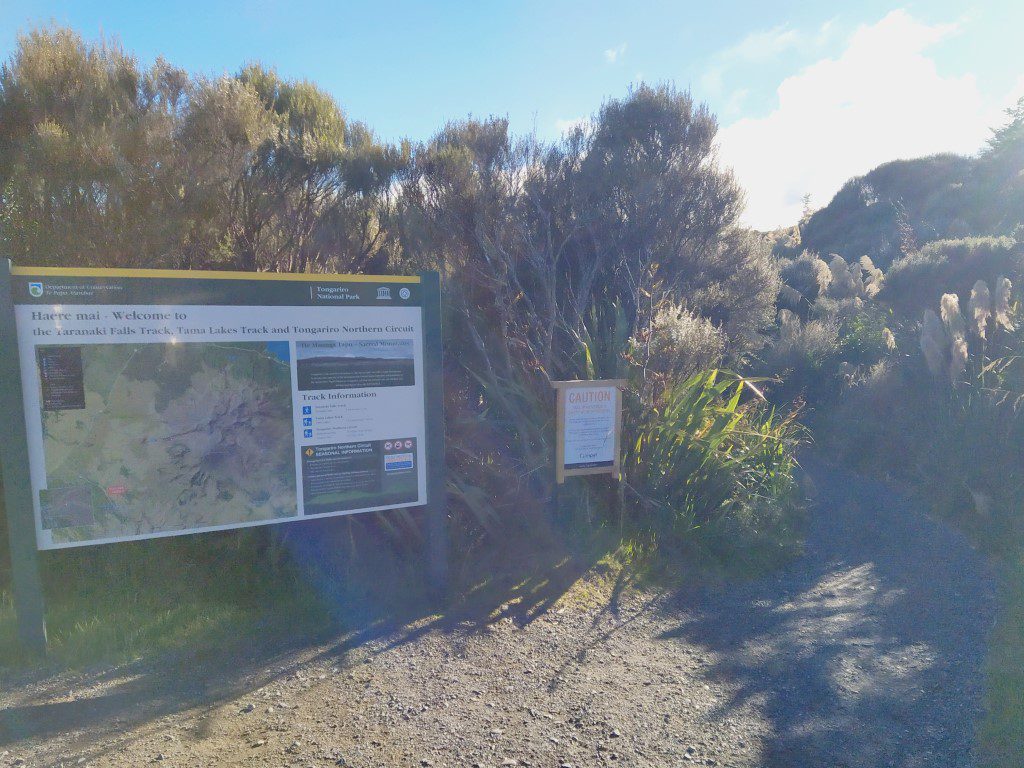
706 453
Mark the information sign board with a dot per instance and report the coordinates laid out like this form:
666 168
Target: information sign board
159 403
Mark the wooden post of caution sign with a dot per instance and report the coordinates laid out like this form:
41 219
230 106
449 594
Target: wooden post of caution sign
588 424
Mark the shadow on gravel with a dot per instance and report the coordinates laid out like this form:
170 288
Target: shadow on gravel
379 594
866 651
518 581
109 701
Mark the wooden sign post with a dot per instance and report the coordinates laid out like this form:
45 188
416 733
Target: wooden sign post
589 433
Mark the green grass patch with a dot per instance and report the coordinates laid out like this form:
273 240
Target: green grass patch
1002 731
120 602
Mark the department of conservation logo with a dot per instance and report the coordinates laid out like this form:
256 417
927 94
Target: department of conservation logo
35 290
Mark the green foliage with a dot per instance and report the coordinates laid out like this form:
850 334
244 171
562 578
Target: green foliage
804 360
862 336
653 210
94 169
103 163
315 193
1002 729
677 345
117 603
705 459
998 196
557 259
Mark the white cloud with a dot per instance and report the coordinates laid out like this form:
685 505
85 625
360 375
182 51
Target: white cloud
612 55
734 104
761 45
825 32
755 47
881 99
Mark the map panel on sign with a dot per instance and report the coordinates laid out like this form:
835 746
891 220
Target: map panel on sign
167 437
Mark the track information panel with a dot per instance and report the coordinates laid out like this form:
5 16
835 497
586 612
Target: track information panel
161 403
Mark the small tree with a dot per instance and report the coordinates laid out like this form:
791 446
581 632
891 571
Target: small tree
311 198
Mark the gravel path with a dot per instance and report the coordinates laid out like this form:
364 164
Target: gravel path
866 651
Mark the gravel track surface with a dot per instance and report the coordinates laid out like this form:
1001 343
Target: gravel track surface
865 651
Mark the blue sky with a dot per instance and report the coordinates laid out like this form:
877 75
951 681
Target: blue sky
807 94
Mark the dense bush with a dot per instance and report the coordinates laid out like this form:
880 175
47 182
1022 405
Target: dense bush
567 261
900 206
950 425
681 344
895 206
809 276
918 280
103 163
803 358
614 252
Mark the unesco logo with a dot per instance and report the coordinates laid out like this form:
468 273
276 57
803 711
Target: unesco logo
35 290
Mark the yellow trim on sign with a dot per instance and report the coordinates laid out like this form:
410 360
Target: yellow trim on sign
195 274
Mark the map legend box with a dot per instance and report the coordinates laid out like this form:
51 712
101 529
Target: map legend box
61 378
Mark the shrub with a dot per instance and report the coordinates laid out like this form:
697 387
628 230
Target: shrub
555 256
808 274
896 203
916 282
705 458
948 419
681 343
803 358
864 337
846 281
